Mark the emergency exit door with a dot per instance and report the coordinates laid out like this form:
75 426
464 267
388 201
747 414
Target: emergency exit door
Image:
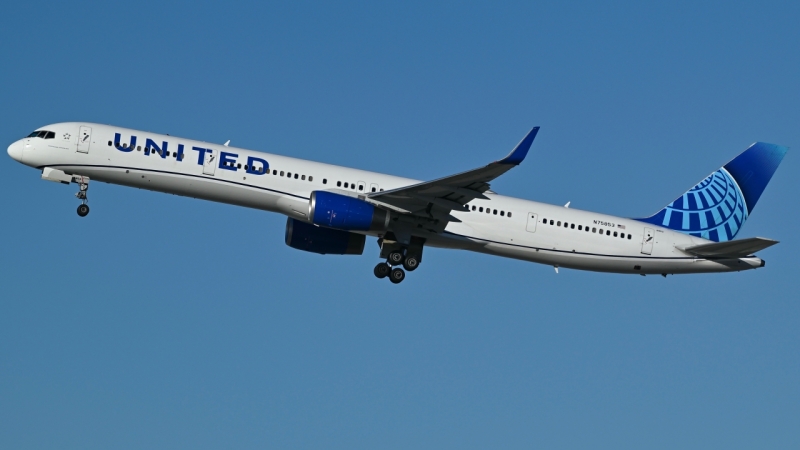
532 219
84 139
209 162
647 241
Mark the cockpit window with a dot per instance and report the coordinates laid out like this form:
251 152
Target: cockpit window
44 134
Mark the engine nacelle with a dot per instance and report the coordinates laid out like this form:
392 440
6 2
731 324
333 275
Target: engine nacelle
311 238
346 213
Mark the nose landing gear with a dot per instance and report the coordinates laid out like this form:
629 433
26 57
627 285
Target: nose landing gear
83 183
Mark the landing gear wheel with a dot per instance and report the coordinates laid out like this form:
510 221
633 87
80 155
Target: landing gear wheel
411 263
395 258
83 210
382 270
397 275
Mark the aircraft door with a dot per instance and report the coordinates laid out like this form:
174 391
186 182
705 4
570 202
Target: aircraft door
532 219
647 241
84 139
209 162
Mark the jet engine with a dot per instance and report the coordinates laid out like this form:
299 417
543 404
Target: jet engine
346 213
311 238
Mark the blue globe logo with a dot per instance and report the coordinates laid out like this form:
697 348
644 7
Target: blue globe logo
714 209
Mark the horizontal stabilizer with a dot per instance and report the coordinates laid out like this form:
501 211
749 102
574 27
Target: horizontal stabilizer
731 249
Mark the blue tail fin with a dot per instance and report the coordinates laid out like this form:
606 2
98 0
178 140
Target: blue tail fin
718 206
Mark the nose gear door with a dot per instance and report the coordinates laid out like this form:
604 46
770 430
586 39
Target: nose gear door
209 162
647 241
84 139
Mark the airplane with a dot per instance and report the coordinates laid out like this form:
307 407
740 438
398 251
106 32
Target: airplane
332 209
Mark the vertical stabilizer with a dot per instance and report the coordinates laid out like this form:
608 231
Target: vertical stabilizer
717 207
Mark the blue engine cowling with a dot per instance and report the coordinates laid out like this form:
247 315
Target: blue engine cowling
346 213
311 238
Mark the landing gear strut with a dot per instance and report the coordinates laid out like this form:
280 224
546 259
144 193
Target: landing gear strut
83 183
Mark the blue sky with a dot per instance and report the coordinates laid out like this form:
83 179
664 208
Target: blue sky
165 322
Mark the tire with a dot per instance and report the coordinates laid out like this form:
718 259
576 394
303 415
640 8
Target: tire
397 275
396 258
83 210
382 270
411 263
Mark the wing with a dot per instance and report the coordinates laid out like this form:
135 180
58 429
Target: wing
435 199
731 249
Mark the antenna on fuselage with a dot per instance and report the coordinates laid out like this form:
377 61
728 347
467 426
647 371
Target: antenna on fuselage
567 205
227 142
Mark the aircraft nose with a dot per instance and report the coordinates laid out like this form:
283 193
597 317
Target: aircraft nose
15 151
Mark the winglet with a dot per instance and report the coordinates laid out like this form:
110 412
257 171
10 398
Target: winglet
521 150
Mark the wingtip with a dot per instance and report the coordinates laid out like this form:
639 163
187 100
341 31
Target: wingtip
521 150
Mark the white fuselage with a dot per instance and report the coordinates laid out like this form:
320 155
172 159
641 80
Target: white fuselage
512 227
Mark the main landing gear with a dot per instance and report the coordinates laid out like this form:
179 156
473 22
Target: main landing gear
383 270
396 256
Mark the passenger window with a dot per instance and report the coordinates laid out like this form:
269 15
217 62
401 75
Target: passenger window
481 209
324 181
608 232
509 214
281 173
295 176
303 178
594 230
580 227
566 225
495 212
502 213
572 226
551 221
474 207
373 189
558 224
629 236
109 143
360 187
615 234
346 185
310 178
